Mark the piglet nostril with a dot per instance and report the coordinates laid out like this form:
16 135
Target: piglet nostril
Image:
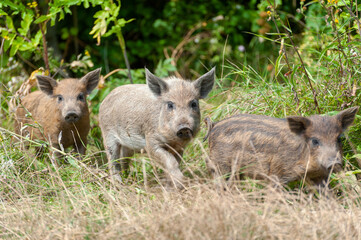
72 117
185 133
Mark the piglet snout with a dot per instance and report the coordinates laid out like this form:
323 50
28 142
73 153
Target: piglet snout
184 132
337 167
72 117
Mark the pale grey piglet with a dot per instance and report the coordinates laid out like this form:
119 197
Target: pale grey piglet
161 117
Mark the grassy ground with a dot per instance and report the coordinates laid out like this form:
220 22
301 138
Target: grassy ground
78 200
315 71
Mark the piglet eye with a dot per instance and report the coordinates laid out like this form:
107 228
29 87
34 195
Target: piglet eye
315 142
170 105
60 98
194 104
339 139
81 97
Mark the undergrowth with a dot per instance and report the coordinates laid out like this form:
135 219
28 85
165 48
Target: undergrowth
312 74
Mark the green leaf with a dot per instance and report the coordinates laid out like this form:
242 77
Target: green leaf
9 23
14 47
25 24
350 173
9 40
101 14
114 29
86 3
42 18
74 31
14 6
2 13
121 22
117 28
115 10
67 10
36 40
6 45
67 3
25 46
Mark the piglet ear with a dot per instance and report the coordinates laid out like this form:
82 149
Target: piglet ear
346 117
91 79
155 84
46 84
204 84
298 124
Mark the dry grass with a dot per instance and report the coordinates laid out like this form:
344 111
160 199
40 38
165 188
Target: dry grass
77 201
85 205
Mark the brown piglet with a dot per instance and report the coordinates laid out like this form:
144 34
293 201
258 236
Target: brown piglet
58 113
283 150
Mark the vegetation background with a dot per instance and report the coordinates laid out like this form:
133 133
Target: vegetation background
276 58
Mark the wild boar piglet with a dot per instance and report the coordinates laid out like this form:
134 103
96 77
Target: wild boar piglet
160 117
58 113
284 150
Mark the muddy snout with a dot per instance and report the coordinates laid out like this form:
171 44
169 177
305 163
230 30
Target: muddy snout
72 117
184 132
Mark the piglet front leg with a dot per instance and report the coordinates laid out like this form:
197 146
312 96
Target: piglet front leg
168 161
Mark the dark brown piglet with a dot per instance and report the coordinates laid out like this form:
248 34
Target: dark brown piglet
263 147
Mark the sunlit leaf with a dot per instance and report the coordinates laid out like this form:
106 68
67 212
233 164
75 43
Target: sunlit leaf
41 19
15 47
9 22
25 24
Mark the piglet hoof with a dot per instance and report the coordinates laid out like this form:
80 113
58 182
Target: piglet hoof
176 183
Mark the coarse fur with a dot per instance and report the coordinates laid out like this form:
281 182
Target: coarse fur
161 117
285 150
58 113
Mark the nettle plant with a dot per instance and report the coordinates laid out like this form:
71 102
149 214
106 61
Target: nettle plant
23 25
